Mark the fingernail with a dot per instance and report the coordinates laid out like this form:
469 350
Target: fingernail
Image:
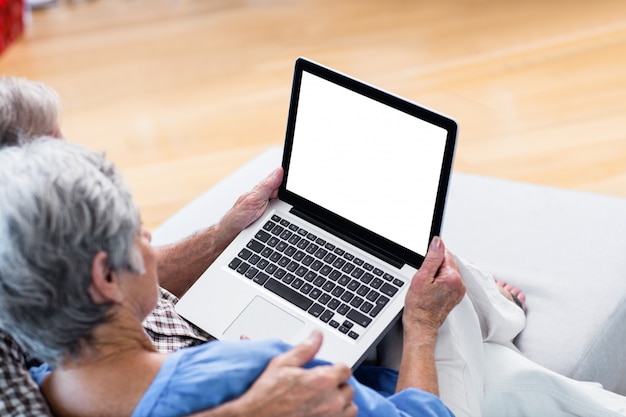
436 243
314 337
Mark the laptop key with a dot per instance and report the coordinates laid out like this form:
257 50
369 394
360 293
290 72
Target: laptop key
326 316
251 272
244 254
243 268
316 310
262 235
359 318
366 307
367 278
234 263
255 246
333 304
343 309
288 294
288 278
380 304
356 302
306 288
324 299
277 230
388 290
260 278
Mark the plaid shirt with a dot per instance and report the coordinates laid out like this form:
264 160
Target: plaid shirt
20 395
168 331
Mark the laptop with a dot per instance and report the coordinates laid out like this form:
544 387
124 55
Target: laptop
364 190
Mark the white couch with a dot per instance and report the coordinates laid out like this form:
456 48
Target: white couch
565 249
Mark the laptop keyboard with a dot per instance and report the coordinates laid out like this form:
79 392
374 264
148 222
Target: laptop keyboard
321 278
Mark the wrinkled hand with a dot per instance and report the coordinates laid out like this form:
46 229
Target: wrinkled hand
251 205
286 389
435 290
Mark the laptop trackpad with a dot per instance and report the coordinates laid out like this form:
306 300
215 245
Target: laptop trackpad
263 320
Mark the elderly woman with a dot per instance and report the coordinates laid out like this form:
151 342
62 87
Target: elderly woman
30 109
78 276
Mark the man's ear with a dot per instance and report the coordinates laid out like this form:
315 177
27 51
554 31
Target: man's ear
104 288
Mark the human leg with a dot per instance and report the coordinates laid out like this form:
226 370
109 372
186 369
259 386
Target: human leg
483 313
515 387
458 356
500 319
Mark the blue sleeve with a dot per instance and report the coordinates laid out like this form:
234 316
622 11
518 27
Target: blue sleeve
375 396
199 378
407 403
39 373
202 377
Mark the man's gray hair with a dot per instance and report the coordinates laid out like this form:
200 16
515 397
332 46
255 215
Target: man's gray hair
28 109
60 204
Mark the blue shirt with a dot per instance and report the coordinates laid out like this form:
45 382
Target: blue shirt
205 376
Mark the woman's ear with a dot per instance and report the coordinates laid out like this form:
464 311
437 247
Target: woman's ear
104 288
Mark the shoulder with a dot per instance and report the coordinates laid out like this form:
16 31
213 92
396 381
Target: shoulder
205 376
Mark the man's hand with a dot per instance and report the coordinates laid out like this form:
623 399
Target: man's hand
435 290
285 389
251 205
181 263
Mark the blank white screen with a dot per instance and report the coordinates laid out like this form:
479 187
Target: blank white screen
367 162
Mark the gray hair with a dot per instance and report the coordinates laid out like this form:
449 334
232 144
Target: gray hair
60 204
28 109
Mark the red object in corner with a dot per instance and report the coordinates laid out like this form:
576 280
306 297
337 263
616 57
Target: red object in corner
11 21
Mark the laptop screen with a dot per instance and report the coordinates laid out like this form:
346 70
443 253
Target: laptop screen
367 161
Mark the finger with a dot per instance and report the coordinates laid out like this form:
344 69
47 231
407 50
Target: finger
350 408
303 352
268 188
434 258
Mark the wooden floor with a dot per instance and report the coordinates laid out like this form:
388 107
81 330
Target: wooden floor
180 93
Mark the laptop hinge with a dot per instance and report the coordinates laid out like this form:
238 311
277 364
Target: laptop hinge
374 251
